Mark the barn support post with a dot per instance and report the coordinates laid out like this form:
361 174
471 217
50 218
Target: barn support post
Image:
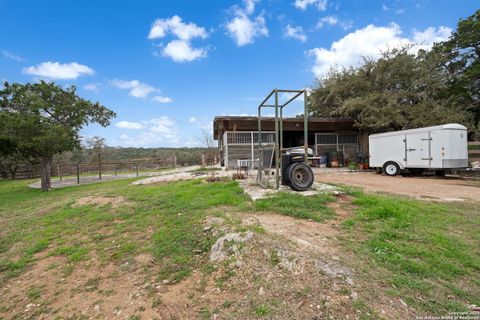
277 144
260 149
252 149
281 127
305 125
225 156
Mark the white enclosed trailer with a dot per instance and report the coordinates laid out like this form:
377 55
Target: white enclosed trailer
435 148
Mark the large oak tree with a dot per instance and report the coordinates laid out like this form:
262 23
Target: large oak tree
406 89
43 119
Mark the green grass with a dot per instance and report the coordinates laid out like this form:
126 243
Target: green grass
419 249
262 310
426 254
34 222
297 206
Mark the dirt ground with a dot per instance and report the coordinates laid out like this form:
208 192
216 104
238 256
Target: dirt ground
301 274
421 187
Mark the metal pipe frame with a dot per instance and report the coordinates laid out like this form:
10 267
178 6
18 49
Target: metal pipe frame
279 128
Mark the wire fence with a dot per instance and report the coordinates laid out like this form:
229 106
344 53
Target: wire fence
99 169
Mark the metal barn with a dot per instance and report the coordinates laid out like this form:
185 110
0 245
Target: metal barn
238 138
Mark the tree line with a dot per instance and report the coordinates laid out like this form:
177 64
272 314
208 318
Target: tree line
406 88
402 89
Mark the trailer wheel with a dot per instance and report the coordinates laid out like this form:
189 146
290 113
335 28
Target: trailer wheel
391 168
300 176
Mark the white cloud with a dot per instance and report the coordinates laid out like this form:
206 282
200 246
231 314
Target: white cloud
175 26
160 131
425 39
12 56
179 49
182 51
346 24
136 88
92 87
162 99
243 28
128 125
392 8
162 125
303 4
249 6
192 120
370 41
59 71
330 20
295 33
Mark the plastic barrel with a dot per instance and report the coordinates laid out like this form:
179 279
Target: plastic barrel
323 159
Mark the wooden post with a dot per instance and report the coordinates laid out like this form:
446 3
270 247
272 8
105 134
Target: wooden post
175 161
203 159
78 174
136 168
99 166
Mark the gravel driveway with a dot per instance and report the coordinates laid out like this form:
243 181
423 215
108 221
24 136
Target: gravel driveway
420 187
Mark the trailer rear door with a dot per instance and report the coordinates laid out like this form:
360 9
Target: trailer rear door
417 149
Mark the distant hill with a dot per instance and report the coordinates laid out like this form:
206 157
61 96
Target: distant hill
185 156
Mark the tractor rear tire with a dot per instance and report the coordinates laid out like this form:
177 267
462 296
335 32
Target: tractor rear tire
300 176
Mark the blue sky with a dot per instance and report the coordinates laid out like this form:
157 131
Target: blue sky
168 67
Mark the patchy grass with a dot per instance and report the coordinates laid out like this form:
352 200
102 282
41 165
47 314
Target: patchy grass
298 206
427 254
262 310
165 220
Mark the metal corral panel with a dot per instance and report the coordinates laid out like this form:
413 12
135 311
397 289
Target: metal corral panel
243 145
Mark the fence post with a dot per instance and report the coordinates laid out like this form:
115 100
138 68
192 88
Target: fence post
136 168
99 167
175 161
203 159
78 174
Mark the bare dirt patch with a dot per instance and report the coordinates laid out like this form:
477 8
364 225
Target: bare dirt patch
256 191
182 175
115 202
54 288
424 187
